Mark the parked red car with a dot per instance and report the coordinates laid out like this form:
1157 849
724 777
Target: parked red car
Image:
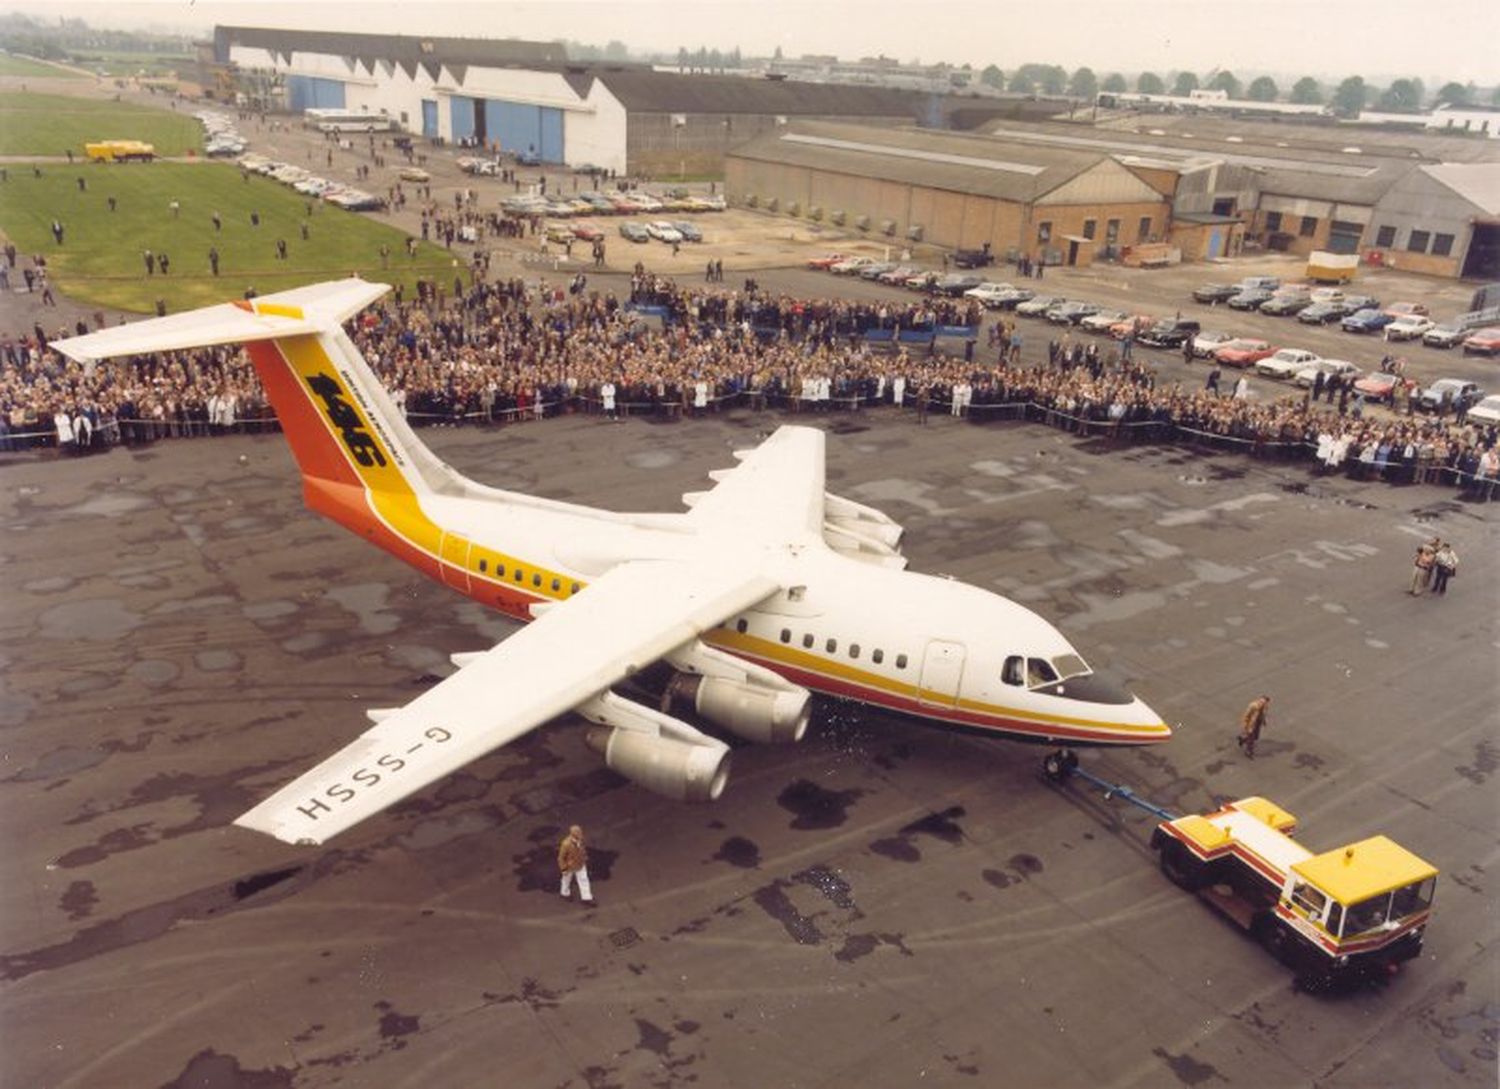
1483 342
825 260
1243 352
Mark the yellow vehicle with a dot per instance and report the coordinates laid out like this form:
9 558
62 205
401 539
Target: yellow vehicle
1360 909
119 151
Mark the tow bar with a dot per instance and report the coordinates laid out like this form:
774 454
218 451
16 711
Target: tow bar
1067 767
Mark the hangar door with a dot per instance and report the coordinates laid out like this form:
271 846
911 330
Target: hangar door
1343 237
310 92
515 126
429 117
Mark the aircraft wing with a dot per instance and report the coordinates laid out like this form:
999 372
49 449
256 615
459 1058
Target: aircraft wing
622 622
775 492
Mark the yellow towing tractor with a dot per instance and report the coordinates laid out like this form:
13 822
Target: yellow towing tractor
1356 912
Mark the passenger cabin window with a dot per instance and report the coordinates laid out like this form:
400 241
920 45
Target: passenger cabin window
573 589
520 575
483 566
1014 670
786 635
854 650
877 656
831 646
900 661
536 580
807 640
740 626
499 570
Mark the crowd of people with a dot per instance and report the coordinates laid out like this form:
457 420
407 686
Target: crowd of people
512 350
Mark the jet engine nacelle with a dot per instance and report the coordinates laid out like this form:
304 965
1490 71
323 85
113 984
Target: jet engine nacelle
747 710
654 750
746 699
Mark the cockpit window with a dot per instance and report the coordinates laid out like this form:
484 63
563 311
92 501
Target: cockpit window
1069 665
1014 670
1039 671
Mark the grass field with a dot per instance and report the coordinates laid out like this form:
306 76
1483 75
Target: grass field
35 124
26 68
100 261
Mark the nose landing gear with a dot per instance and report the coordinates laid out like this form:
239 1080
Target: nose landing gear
1057 766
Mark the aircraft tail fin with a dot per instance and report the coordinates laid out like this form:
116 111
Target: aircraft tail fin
357 454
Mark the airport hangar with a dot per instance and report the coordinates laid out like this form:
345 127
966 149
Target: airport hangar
1080 194
521 96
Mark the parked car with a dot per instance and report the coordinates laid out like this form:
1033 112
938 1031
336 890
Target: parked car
587 232
1264 283
956 283
1379 387
1327 294
899 275
1368 320
1014 298
1355 303
1071 313
923 281
986 293
1483 341
1403 309
1038 305
1286 303
1101 320
414 174
556 232
663 231
1243 352
1321 313
1131 324
1486 411
1284 363
826 260
1173 333
877 270
1250 299
1447 335
1215 293
689 231
850 266
634 232
1205 344
979 258
1456 390
1345 370
1409 328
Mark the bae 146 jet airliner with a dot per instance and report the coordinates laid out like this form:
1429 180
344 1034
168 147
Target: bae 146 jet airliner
766 590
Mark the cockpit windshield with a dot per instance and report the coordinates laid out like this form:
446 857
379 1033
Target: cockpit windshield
1038 673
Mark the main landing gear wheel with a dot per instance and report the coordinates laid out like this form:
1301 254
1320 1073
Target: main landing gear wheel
1058 765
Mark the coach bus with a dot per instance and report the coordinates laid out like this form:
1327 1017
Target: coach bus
328 120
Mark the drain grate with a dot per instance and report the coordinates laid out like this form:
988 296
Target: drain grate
625 938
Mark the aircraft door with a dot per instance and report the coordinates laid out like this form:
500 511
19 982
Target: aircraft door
942 670
455 554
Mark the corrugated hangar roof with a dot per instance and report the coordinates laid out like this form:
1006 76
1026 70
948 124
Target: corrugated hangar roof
1354 178
936 160
1477 183
506 52
642 90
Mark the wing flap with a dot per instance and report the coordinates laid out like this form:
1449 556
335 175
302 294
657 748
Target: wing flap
630 617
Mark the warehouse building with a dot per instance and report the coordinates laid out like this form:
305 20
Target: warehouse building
526 97
952 190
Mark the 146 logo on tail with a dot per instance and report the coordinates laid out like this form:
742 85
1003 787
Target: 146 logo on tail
360 442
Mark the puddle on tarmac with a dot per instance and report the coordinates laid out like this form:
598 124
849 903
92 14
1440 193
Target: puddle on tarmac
89 682
60 763
191 604
101 620
420 659
367 601
15 709
269 610
216 661
154 672
307 641
53 585
108 505
652 459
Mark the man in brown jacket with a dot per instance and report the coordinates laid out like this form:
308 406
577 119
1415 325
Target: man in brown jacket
1251 723
573 861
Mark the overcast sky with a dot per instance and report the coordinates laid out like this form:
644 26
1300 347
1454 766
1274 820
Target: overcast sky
1434 40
